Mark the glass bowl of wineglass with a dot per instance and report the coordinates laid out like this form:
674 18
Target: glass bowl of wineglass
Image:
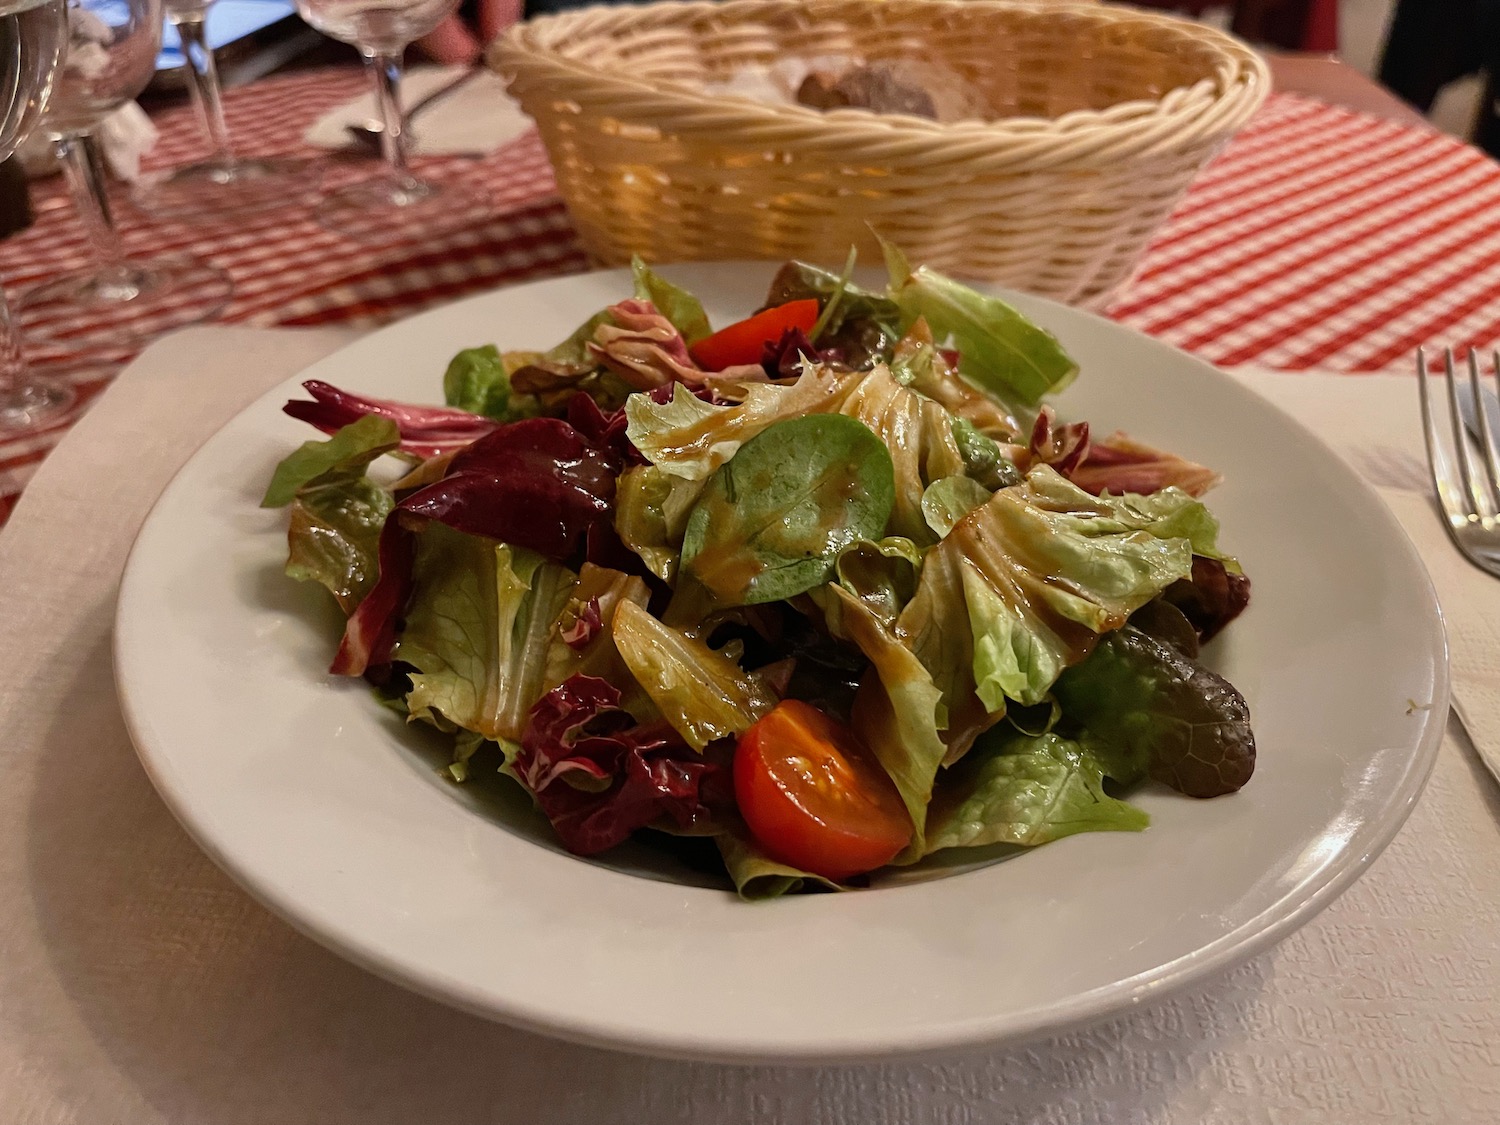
109 57
396 200
32 34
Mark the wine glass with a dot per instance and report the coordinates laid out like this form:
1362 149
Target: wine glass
110 56
32 33
370 209
224 182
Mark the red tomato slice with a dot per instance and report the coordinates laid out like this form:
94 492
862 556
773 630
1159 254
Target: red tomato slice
745 341
814 797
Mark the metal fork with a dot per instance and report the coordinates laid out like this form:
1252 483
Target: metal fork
1469 494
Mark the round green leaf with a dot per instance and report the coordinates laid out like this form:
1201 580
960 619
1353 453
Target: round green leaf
774 518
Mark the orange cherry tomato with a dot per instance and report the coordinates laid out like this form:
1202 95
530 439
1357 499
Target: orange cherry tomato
745 341
814 797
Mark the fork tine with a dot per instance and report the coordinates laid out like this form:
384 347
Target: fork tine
1487 447
1443 480
1474 504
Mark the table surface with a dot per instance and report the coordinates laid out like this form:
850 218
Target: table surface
1320 238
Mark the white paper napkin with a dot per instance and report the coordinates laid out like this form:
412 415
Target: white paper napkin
138 986
476 119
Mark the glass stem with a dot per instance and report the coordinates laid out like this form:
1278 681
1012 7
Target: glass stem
204 83
13 373
83 165
385 76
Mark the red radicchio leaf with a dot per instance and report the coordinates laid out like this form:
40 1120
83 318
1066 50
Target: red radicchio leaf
643 347
1062 447
426 431
783 359
536 484
577 730
370 633
1121 464
1211 598
585 626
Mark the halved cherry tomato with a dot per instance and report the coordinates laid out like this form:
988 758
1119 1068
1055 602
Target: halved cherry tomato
745 341
814 797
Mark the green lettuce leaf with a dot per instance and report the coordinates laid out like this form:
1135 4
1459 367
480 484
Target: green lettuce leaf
651 513
918 432
703 694
1046 569
1026 790
949 500
477 381
478 629
347 453
999 350
882 575
1160 711
690 438
774 518
896 710
333 535
757 876
675 303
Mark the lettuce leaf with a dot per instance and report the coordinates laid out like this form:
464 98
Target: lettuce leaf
882 575
477 632
949 500
675 303
346 454
1163 712
897 710
1022 586
703 694
690 438
756 876
582 640
426 431
478 380
999 350
1027 790
651 513
919 434
333 536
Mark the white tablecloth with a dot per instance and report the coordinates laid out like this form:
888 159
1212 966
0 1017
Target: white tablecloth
139 985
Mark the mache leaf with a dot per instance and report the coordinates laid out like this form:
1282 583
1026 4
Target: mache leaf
772 521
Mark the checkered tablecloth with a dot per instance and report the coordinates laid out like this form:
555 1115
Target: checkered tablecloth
1319 238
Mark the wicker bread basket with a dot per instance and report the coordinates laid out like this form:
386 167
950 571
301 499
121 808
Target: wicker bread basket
1098 118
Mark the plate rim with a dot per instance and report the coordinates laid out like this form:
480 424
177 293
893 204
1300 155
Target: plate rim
1251 937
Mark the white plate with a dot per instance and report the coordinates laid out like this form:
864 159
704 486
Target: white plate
327 810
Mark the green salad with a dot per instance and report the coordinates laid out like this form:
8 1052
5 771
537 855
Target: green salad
829 586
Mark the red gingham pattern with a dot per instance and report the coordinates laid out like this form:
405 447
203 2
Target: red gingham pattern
1319 238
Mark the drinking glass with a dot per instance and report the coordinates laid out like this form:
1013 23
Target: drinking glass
110 56
32 33
224 182
371 209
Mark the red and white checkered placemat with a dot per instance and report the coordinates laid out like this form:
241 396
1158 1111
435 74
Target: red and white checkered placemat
1319 238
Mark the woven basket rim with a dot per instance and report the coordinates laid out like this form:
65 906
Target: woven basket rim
1215 103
